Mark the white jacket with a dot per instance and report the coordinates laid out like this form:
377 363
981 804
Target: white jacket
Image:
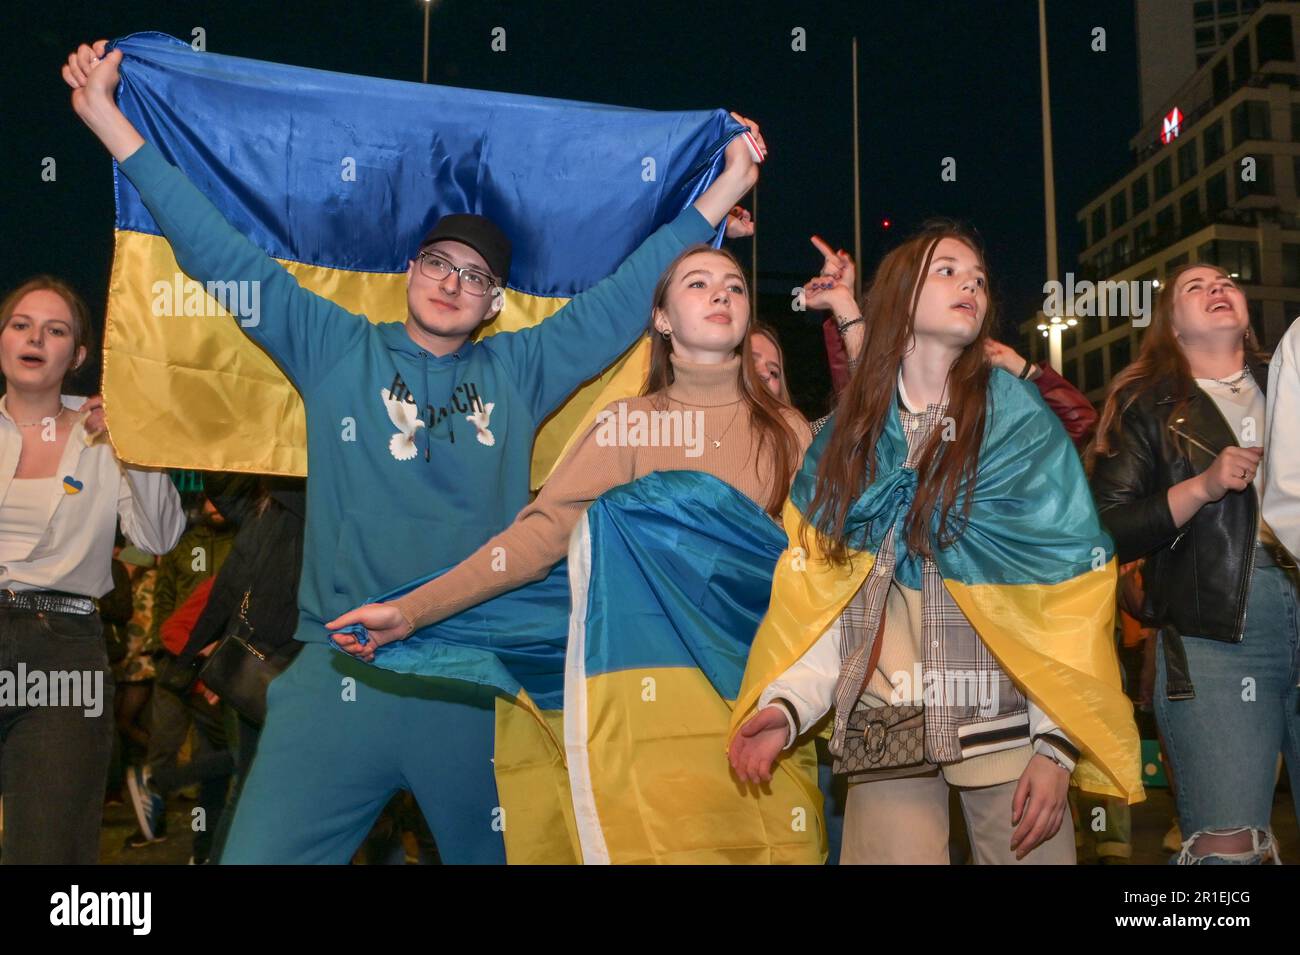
76 551
1282 467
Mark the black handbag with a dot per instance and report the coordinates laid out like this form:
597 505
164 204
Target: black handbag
239 672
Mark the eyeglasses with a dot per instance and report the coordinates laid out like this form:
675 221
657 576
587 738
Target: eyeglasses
474 281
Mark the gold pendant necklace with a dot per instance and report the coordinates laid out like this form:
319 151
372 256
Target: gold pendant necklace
717 442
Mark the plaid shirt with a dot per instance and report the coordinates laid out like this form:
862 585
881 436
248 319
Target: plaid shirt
971 706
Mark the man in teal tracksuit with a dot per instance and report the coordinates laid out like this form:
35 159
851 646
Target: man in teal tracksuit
442 433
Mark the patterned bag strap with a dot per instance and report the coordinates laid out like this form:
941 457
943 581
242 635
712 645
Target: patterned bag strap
874 660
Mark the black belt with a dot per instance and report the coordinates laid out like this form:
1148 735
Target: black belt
46 601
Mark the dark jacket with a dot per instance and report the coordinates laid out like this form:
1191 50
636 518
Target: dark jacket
265 562
1197 576
1069 404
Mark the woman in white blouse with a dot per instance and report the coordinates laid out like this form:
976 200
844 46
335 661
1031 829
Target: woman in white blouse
62 491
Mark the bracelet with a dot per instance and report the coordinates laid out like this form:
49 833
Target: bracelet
845 325
1026 371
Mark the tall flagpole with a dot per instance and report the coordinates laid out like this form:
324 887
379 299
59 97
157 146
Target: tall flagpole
857 185
424 72
1055 326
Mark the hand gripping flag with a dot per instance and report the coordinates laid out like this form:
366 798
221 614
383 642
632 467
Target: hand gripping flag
625 662
338 177
1034 573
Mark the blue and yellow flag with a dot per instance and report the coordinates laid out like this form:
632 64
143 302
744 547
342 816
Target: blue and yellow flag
339 177
670 576
625 662
1033 571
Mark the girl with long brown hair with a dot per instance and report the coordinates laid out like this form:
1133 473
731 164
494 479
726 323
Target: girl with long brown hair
937 474
703 408
1176 468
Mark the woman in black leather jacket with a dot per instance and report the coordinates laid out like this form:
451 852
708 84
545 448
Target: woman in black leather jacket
1174 475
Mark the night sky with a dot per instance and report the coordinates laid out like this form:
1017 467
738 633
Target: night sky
937 79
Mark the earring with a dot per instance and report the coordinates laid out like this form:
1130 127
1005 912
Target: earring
666 335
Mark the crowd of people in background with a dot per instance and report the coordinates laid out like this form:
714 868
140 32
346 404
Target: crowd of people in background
107 570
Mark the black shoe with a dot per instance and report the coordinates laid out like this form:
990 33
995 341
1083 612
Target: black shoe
138 840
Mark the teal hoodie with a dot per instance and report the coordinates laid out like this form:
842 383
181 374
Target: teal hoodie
442 446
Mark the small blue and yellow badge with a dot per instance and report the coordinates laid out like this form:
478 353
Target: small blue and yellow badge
71 485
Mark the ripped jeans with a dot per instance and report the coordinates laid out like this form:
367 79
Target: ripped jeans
1223 745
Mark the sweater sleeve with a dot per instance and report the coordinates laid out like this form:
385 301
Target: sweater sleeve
578 342
306 334
536 541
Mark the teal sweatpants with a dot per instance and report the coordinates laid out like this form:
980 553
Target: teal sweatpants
341 737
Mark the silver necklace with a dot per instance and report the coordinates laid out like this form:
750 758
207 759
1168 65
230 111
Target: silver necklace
1234 384
33 424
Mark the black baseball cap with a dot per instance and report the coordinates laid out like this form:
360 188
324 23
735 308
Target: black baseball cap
480 234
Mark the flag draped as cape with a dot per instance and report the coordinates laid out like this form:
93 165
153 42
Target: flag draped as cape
624 662
1034 572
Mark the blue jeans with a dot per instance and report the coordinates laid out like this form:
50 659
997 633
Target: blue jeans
1223 745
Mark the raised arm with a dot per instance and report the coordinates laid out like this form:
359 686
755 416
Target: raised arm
523 552
1067 402
303 332
583 338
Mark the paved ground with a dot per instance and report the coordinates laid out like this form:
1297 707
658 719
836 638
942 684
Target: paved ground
1150 823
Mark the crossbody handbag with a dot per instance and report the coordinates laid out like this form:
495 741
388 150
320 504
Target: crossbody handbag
882 742
239 672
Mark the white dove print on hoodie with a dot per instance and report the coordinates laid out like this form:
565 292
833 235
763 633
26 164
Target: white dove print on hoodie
406 418
479 419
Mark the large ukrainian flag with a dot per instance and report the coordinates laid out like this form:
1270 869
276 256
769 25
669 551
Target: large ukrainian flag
338 177
616 752
1034 573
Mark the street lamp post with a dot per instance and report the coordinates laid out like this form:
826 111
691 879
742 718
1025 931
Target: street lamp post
1052 326
424 71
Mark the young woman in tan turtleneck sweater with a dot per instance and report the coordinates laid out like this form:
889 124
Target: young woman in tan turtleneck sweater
702 374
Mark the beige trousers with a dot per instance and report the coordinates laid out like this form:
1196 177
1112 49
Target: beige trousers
905 822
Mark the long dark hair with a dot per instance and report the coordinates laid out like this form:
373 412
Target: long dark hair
765 410
1160 364
848 463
